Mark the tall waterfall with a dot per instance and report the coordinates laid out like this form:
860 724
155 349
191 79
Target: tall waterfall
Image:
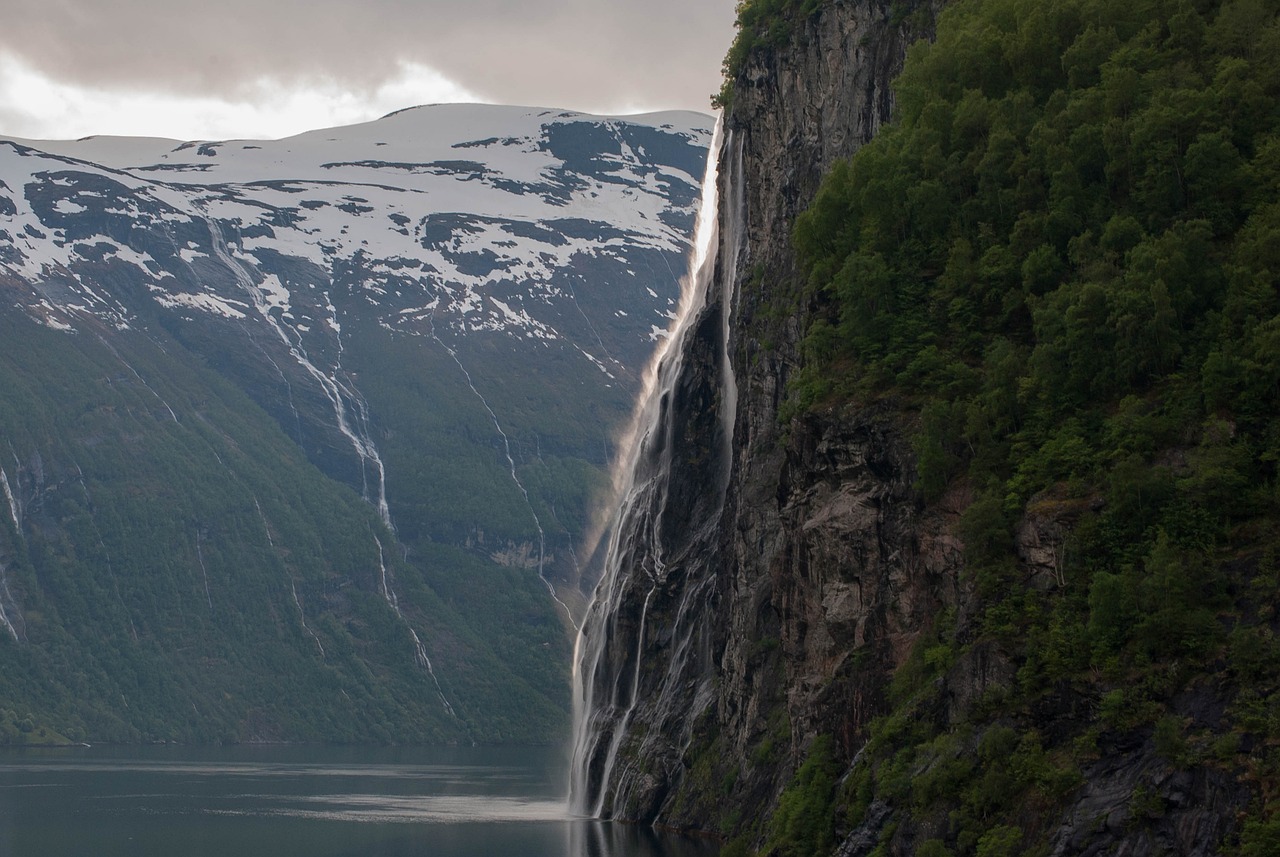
672 481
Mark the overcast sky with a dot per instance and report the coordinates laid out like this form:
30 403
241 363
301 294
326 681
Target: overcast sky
268 68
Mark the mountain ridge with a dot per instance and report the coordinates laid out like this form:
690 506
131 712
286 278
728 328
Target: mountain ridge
450 338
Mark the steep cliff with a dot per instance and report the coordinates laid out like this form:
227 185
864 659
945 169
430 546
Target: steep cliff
818 662
778 615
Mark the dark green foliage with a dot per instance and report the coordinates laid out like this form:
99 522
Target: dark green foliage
1064 265
182 573
804 822
1260 838
1002 841
1061 260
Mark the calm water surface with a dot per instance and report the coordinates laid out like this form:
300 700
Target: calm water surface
294 801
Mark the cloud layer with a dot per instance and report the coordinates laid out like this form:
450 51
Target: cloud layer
602 55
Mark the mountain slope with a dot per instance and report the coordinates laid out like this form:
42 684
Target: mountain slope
336 407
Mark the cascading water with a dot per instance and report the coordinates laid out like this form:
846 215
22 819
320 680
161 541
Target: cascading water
672 482
141 380
16 515
14 511
351 416
515 476
349 409
293 586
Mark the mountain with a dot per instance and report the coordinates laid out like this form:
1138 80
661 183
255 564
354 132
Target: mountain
302 439
992 340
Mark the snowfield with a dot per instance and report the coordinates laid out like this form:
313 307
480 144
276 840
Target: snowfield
464 215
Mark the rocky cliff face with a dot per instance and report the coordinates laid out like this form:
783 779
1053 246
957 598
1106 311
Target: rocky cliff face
785 613
780 615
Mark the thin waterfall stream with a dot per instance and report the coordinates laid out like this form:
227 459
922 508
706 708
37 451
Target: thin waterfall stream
351 417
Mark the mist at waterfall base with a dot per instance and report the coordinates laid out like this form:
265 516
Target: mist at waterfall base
664 525
304 802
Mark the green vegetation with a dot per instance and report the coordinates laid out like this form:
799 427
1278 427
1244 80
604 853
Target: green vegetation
450 480
182 573
803 822
1060 264
1067 269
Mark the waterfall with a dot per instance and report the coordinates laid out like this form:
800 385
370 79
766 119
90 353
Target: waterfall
511 465
350 412
17 534
14 511
672 483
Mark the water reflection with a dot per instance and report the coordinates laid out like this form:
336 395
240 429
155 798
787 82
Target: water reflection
590 838
317 802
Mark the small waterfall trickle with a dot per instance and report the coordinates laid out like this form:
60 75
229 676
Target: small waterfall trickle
14 511
350 411
672 480
16 515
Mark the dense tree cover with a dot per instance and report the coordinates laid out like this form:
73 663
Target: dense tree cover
1063 258
177 570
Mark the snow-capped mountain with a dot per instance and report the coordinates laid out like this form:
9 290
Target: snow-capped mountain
446 209
552 230
446 310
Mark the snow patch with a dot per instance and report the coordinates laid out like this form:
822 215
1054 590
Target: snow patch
203 302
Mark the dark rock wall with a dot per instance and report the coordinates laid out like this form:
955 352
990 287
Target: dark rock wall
822 567
832 566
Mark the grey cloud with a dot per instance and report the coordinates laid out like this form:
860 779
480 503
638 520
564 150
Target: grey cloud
573 53
13 118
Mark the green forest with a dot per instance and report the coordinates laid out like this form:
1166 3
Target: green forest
1059 264
183 574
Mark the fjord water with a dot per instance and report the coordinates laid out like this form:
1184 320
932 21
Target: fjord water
313 801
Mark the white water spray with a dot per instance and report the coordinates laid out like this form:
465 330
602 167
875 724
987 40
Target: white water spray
607 671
